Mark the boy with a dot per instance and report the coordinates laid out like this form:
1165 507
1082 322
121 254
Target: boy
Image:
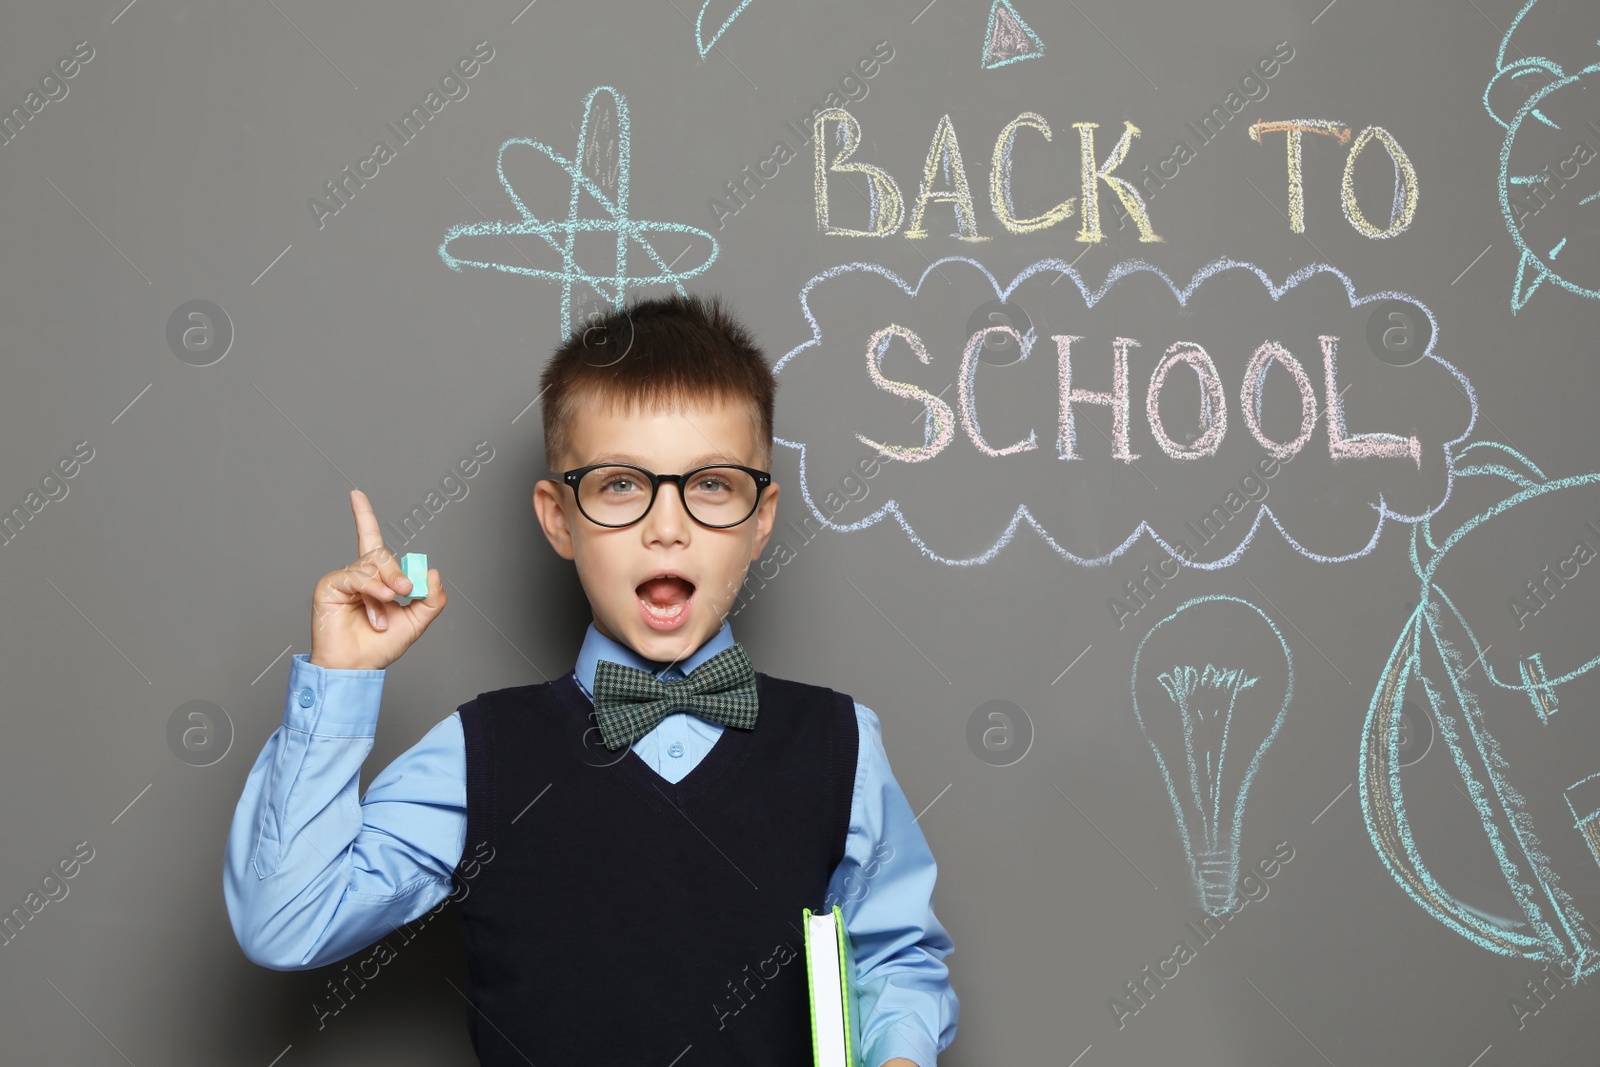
632 842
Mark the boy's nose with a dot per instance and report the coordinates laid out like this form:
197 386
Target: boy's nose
668 512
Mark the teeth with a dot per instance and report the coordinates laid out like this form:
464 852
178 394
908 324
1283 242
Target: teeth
671 612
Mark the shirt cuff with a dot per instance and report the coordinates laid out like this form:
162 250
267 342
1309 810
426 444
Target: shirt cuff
332 703
903 1039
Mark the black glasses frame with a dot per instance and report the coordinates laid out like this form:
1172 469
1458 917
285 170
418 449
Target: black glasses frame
574 476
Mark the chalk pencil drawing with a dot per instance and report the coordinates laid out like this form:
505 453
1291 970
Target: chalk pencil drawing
1542 105
1516 714
600 170
1008 39
1212 684
700 42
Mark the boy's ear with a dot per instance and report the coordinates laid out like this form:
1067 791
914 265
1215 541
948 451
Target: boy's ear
550 506
765 518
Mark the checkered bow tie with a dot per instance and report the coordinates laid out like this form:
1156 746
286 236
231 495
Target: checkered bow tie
628 702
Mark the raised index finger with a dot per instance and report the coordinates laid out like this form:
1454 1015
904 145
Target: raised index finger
368 536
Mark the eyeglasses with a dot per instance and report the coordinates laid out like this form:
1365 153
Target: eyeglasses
716 496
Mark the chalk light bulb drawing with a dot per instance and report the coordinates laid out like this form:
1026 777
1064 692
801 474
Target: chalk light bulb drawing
1210 698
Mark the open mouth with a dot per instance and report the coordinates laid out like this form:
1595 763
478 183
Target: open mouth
665 599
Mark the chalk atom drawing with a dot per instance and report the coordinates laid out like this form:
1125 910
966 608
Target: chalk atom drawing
1008 39
599 172
602 144
1211 687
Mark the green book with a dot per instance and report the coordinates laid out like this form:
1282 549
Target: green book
831 986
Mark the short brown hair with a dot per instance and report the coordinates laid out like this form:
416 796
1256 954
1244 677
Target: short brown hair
663 352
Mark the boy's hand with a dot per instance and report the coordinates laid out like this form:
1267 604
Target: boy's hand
355 625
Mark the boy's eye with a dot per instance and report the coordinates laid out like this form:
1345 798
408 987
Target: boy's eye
710 483
621 483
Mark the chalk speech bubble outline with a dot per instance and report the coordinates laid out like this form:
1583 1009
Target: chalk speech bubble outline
1122 270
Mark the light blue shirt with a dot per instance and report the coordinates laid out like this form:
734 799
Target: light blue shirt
311 877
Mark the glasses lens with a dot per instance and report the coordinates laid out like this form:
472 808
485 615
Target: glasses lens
614 496
720 496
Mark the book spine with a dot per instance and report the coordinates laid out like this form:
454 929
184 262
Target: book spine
811 999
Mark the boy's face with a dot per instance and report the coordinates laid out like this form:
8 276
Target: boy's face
613 563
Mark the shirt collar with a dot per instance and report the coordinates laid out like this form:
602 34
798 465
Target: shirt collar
597 646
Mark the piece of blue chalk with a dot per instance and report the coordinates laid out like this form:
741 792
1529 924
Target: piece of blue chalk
415 566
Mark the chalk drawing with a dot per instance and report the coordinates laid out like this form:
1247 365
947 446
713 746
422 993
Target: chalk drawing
1293 129
1477 704
1213 404
944 158
1008 39
943 419
1406 194
700 41
1557 102
885 209
1000 179
600 169
1223 707
943 428
944 163
1403 210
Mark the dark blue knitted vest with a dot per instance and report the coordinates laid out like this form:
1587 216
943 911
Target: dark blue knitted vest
613 918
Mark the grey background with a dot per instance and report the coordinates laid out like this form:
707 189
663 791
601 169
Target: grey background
179 565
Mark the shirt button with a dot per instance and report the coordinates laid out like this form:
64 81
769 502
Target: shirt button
307 698
676 749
